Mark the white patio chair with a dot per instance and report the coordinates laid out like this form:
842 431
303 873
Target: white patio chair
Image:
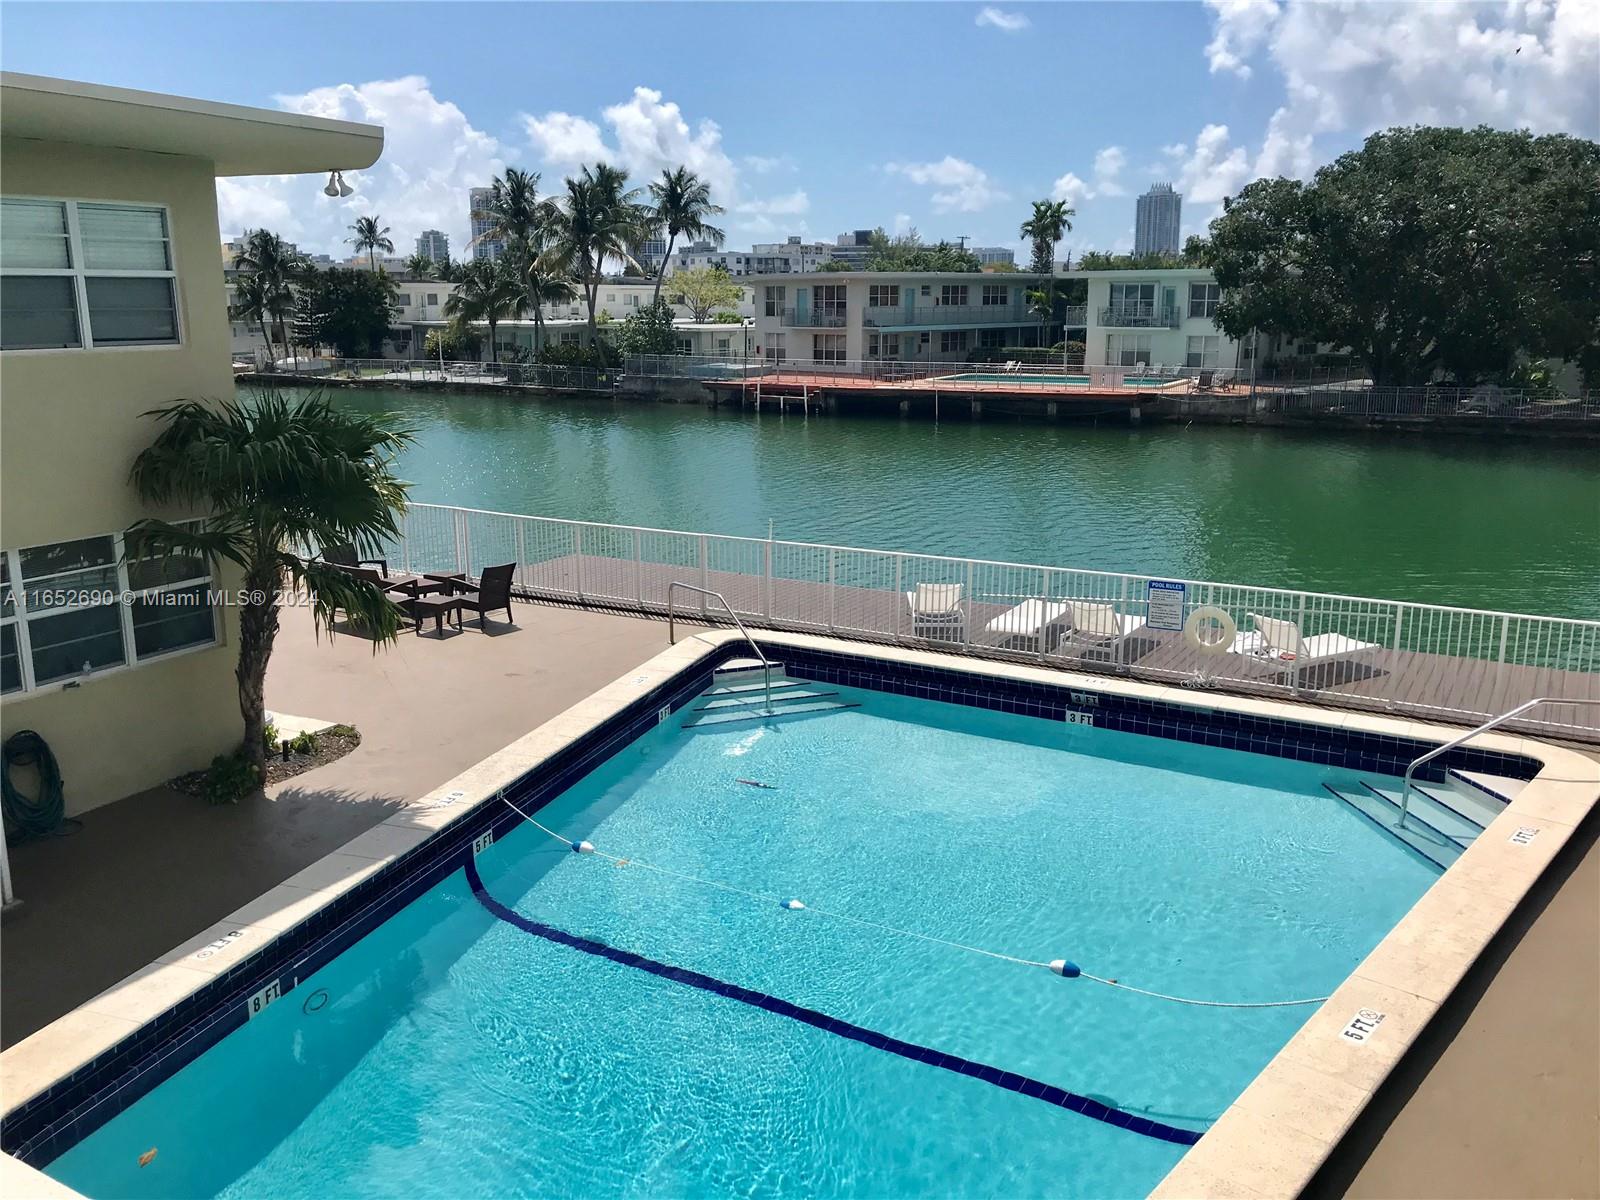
1013 366
1281 642
1101 624
937 610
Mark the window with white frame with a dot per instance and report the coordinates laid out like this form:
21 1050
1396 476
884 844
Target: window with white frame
883 295
992 338
828 301
1136 300
883 345
774 301
1127 349
76 275
611 297
685 345
952 341
433 297
403 299
827 347
76 608
995 293
1203 351
952 293
774 345
724 345
1203 299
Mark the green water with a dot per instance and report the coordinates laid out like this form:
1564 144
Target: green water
1511 525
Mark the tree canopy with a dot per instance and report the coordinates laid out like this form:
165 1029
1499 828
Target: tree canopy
648 330
704 290
907 252
1429 252
348 310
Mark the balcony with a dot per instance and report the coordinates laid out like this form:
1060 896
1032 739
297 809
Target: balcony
1139 316
897 316
814 318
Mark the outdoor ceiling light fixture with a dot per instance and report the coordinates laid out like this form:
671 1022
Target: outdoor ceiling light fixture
337 186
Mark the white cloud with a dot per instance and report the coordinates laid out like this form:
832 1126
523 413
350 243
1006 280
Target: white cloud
1005 22
1350 68
961 186
566 140
763 164
1108 164
431 155
793 204
901 223
1212 169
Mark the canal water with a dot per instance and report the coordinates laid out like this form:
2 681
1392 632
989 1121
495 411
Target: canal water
1502 524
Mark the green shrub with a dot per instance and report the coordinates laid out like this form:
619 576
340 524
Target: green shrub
230 778
343 731
269 737
602 354
727 318
305 743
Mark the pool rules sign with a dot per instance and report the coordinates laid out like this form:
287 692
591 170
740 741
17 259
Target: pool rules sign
1165 604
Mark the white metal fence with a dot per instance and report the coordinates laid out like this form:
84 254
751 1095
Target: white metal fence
1419 659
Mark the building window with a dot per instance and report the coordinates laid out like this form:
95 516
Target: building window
828 303
81 275
403 299
1133 300
774 301
827 347
724 345
1203 299
953 293
883 295
1203 351
996 293
883 345
611 297
992 338
953 341
774 341
433 297
1127 349
76 608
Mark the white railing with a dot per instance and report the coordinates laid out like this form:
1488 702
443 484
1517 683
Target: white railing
1421 659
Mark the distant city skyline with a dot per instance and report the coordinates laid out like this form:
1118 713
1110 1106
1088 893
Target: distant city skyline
1157 221
1279 87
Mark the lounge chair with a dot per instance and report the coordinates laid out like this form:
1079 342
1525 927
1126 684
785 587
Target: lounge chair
1203 383
1280 641
1100 624
1012 367
937 610
491 593
1027 620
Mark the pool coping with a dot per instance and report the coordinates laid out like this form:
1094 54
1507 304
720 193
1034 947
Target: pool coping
1270 1141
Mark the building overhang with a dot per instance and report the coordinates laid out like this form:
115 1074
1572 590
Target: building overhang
236 139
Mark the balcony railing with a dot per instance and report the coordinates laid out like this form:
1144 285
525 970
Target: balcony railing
814 318
898 316
1140 316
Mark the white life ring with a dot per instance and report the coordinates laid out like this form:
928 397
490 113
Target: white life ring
1209 631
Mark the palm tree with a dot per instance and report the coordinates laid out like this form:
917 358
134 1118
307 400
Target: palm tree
277 266
682 204
1051 220
513 213
544 286
252 302
1042 304
371 238
271 475
420 266
488 291
599 219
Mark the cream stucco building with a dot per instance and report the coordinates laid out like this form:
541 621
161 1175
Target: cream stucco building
113 304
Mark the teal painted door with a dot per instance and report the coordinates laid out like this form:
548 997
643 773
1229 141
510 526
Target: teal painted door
802 305
910 294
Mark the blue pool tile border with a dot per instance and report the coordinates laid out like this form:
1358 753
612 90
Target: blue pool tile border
1021 1084
48 1124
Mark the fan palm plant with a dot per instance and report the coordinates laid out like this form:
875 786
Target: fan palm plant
488 291
277 266
273 474
682 202
371 237
599 219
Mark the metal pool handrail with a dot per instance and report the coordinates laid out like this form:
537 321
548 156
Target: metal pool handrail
1423 760
766 663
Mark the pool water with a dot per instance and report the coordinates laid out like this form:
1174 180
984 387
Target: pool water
455 1054
1056 380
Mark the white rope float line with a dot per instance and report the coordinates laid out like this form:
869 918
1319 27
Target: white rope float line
1059 966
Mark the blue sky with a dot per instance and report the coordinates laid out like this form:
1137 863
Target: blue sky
818 118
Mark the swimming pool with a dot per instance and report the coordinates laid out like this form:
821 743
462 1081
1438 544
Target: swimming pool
1046 380
492 1014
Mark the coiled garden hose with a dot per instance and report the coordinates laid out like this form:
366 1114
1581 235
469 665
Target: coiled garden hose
28 817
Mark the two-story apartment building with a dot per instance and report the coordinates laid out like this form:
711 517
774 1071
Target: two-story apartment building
844 316
1131 317
112 304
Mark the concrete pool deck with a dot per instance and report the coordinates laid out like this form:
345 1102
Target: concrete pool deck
429 709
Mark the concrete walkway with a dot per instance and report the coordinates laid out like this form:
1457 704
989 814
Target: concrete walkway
1501 1099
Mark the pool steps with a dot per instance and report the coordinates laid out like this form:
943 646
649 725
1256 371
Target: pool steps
1442 820
739 693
